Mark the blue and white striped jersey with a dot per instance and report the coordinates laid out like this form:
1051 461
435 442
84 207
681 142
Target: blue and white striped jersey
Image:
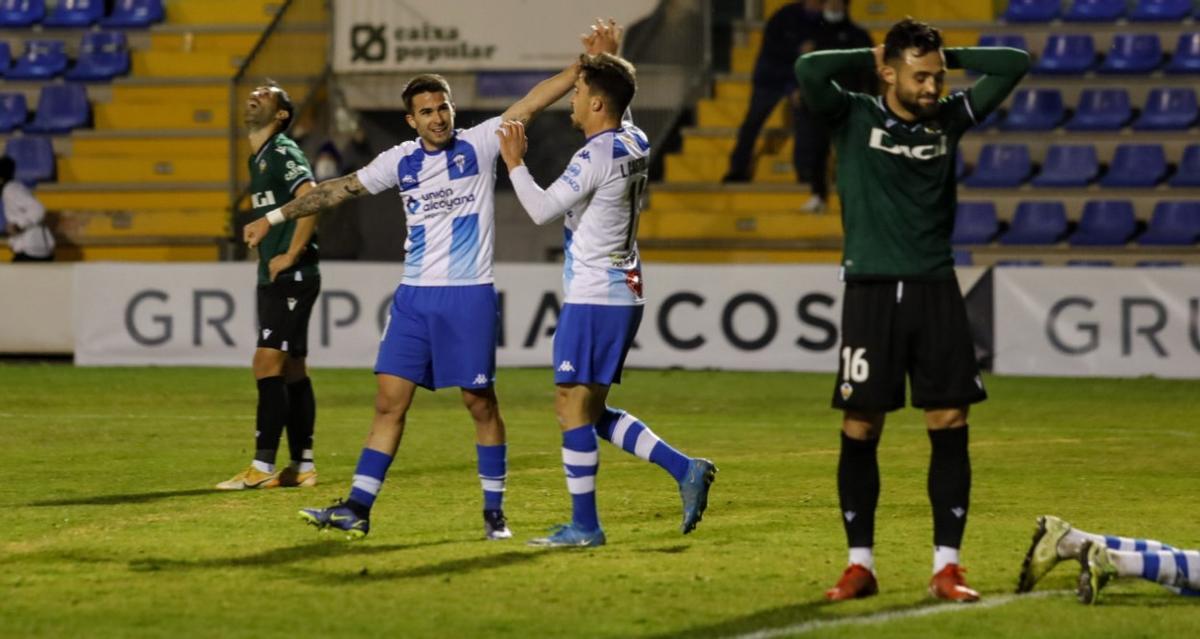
449 203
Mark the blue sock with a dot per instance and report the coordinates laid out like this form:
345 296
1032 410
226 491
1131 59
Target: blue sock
493 468
581 460
629 433
368 476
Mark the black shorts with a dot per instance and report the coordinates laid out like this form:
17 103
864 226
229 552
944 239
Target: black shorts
913 328
284 307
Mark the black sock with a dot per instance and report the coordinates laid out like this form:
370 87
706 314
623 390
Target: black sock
272 411
302 414
858 489
949 485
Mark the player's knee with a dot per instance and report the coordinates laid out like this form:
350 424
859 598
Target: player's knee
390 406
483 406
863 425
268 362
943 418
295 369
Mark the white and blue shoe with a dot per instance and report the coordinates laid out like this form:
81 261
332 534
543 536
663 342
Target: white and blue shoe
570 535
693 490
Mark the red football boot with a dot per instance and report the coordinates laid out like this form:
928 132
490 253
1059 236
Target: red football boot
856 582
949 584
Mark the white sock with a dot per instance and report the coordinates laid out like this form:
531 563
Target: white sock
1128 564
943 555
306 462
263 467
863 556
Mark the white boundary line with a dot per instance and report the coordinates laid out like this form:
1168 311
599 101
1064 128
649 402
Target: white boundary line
884 617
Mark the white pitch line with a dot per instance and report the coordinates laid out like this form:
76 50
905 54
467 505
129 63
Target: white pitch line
884 617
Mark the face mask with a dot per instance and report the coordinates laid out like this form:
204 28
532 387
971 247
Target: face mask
833 16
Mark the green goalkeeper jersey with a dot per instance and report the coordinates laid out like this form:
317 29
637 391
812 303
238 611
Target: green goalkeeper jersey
896 178
276 171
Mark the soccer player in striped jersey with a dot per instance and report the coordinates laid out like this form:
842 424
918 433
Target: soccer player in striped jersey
600 195
441 328
1104 557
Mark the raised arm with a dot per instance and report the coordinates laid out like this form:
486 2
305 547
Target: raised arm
324 196
1002 69
604 37
815 72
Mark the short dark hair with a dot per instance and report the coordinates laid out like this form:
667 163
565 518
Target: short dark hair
612 77
283 101
8 169
911 34
424 83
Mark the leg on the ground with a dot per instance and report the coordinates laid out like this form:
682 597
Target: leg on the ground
491 450
577 407
858 495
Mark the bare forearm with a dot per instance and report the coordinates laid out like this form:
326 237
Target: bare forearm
546 92
325 196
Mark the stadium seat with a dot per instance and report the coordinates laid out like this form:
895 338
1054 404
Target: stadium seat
75 14
1037 223
1032 10
1186 58
961 258
1069 165
960 167
61 108
1105 223
1001 165
1133 53
1035 110
1067 54
1188 173
1160 10
1136 165
1018 262
1101 110
1158 263
34 158
1168 109
103 55
1173 224
1090 263
1011 40
975 223
5 57
42 59
13 111
991 120
15 14
129 14
1095 11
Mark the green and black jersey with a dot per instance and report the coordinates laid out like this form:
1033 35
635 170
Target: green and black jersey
276 171
896 179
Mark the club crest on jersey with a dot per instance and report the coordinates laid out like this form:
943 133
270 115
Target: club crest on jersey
262 165
460 161
574 169
847 390
882 141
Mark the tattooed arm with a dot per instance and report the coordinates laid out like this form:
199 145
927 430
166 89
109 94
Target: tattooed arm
325 196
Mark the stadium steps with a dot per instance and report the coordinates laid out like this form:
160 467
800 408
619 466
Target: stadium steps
197 249
162 115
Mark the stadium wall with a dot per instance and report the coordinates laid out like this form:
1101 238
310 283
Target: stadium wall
1048 321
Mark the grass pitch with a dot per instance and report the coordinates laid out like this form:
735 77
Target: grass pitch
111 528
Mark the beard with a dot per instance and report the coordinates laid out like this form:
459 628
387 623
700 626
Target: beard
912 104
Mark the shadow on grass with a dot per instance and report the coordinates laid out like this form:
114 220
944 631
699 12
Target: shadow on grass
782 617
279 556
128 498
447 569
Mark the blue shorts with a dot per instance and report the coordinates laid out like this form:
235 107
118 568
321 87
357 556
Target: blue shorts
591 342
441 336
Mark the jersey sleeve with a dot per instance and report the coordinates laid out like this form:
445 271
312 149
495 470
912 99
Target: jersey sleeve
381 173
1002 70
483 137
295 169
579 181
958 113
815 72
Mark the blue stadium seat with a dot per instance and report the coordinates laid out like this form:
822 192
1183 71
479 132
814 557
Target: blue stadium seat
1067 54
1011 40
75 14
1136 165
991 120
1101 110
1133 53
961 258
103 55
960 167
1014 262
34 158
13 111
1090 263
1035 110
42 59
1173 224
1032 10
975 223
1105 223
1188 173
15 14
1038 223
1158 263
1095 11
1001 165
61 108
130 14
1186 58
1160 10
1069 165
5 57
1168 110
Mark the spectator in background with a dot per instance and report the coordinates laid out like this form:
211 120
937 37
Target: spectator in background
796 29
28 236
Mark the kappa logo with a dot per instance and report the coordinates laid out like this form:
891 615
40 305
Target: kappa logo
958 511
266 333
566 367
291 303
481 379
408 179
847 390
587 155
849 515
